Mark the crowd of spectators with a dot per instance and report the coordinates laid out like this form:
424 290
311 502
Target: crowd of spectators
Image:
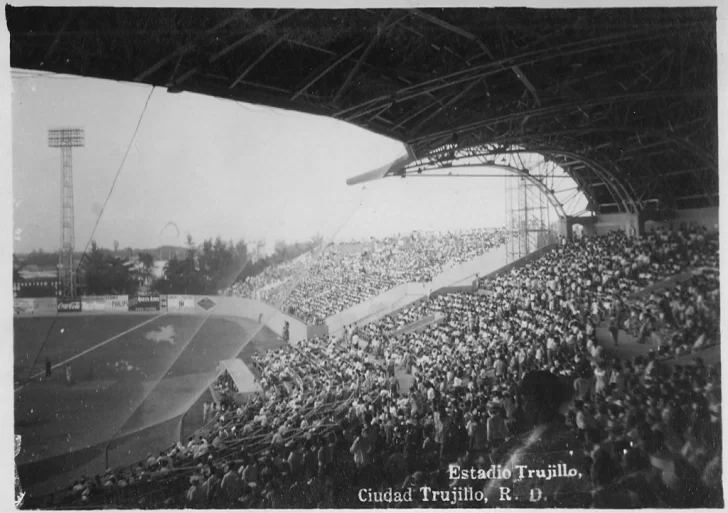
349 273
301 399
513 375
600 279
225 390
270 284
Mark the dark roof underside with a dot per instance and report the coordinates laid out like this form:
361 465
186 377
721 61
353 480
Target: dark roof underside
625 100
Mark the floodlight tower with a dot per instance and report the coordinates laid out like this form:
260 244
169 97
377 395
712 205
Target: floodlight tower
65 139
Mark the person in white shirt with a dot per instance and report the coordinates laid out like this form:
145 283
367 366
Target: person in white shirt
601 379
551 347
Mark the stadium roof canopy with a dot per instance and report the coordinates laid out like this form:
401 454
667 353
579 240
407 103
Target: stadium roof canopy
624 99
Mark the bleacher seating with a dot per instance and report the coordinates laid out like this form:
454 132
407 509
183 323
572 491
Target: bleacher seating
347 274
644 433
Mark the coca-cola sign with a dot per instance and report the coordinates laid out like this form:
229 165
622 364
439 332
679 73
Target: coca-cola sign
69 306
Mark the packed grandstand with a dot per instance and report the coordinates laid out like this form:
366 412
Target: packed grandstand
346 274
514 375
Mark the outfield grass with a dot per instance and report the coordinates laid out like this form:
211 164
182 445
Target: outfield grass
168 363
67 336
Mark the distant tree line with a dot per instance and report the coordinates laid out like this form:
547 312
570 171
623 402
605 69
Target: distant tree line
206 269
102 272
39 258
209 268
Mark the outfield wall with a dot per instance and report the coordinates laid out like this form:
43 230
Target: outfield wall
172 304
258 311
28 307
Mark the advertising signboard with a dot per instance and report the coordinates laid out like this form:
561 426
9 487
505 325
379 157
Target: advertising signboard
23 306
144 304
117 303
92 304
68 306
105 303
205 304
179 303
34 306
45 305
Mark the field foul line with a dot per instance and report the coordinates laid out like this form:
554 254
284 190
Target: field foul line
86 351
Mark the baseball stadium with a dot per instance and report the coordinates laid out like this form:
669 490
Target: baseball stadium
560 321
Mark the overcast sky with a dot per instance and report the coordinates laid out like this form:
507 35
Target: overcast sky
215 167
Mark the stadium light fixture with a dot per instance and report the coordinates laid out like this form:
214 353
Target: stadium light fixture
66 139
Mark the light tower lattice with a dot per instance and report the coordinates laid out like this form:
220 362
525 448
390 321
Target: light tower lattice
66 139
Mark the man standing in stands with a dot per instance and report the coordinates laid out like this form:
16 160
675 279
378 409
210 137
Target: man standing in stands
477 431
393 385
286 332
614 316
614 328
212 486
646 329
347 336
230 484
499 368
442 427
